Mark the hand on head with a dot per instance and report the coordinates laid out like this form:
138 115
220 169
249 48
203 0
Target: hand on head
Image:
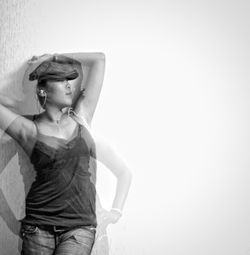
39 59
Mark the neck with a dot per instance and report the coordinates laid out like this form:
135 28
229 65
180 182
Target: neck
53 114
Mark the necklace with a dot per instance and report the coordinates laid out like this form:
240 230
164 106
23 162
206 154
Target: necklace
56 120
57 125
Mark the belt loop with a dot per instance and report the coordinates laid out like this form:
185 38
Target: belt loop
55 230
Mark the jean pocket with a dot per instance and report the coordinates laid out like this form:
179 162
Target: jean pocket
84 236
27 229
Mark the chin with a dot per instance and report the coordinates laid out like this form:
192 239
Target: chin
67 103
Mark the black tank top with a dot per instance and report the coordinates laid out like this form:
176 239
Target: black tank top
63 193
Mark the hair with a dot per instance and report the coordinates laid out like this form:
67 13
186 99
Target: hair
41 83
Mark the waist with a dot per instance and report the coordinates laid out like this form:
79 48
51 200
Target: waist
61 229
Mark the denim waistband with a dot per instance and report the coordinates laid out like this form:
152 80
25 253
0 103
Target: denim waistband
60 229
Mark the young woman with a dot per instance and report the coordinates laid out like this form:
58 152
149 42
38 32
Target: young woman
60 206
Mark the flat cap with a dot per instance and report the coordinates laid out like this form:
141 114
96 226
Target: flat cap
57 67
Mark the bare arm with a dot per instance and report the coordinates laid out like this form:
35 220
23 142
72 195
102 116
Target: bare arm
8 148
110 158
93 65
107 155
8 102
16 126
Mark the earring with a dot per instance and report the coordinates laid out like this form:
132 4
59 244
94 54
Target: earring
42 93
45 99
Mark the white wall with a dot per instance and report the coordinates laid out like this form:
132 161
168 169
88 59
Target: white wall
175 104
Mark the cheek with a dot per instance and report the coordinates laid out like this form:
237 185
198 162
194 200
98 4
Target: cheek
56 94
55 88
75 85
76 88
53 95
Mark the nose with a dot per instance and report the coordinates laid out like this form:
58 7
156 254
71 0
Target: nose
68 84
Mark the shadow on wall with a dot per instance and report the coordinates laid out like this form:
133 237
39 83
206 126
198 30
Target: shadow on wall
9 150
12 155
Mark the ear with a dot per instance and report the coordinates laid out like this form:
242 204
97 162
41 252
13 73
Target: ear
42 93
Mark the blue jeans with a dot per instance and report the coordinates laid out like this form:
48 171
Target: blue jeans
38 241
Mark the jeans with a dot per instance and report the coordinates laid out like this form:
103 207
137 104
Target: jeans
38 241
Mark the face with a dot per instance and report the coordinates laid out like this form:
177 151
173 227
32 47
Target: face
76 84
59 93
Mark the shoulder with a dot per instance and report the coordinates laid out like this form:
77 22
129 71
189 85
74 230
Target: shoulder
23 130
28 127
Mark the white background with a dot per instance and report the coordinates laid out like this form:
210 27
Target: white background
175 103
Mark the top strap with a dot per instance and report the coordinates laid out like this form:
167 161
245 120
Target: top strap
78 119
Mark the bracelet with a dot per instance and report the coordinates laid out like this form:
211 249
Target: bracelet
117 210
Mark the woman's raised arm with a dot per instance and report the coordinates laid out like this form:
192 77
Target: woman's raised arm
92 74
8 102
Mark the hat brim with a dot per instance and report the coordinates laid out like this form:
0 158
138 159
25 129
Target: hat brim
59 76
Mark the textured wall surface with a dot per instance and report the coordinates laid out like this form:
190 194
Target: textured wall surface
175 103
18 40
17 43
